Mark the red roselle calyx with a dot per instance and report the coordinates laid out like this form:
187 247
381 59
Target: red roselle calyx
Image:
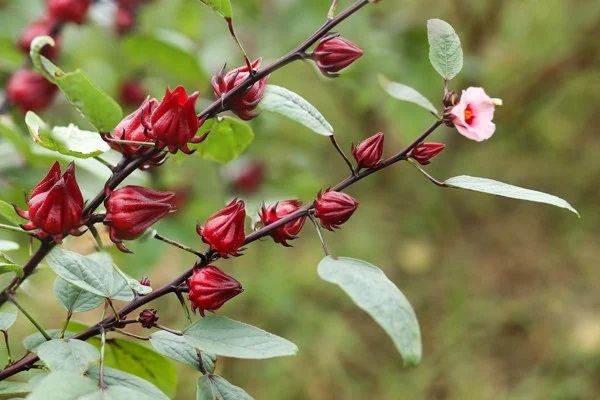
242 104
333 54
424 152
334 208
44 26
224 230
125 19
174 122
368 152
55 205
148 318
132 93
133 209
210 288
275 212
69 10
29 90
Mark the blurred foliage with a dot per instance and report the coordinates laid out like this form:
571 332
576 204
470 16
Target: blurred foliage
505 291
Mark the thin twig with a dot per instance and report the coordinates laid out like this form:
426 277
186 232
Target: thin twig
341 152
133 335
164 328
178 245
239 44
14 229
320 234
5 333
64 329
102 349
30 318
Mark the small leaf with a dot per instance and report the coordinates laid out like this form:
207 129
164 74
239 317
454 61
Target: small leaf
445 52
228 138
114 377
406 93
68 355
7 264
74 298
223 7
8 245
178 348
12 390
214 387
225 337
289 104
373 292
491 186
63 385
8 316
8 213
32 341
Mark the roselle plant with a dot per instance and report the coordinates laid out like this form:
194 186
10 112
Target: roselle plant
71 367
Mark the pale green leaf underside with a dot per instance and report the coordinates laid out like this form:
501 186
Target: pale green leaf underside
11 390
445 52
214 387
406 93
291 105
497 188
8 245
373 292
68 355
178 348
63 385
74 298
114 377
8 315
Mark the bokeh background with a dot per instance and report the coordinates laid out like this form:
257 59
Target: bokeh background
506 292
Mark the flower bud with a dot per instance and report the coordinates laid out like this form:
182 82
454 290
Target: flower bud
132 93
44 26
29 90
145 281
334 53
368 152
68 10
275 212
174 121
125 19
224 230
244 175
133 209
424 152
334 208
55 205
210 288
242 104
148 318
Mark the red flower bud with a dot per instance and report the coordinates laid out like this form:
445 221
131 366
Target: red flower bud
145 281
132 93
44 26
55 204
224 230
424 152
148 318
368 152
275 212
68 10
334 208
333 54
29 90
210 288
124 20
132 209
244 103
174 121
245 175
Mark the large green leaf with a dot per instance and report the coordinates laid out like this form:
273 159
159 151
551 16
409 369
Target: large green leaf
291 105
13 390
223 7
214 387
491 186
373 292
63 385
32 342
98 107
114 377
406 93
225 337
74 298
445 52
228 138
141 361
8 316
68 355
8 213
178 348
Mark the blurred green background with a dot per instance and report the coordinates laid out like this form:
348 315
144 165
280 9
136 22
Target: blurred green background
506 292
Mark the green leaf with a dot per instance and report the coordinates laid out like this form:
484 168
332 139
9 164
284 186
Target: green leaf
114 377
406 93
214 387
373 292
7 264
70 141
223 7
289 104
445 53
32 341
8 213
115 392
11 390
94 273
141 361
491 186
95 105
172 60
68 355
228 138
225 337
8 245
178 348
8 316
74 298
63 385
